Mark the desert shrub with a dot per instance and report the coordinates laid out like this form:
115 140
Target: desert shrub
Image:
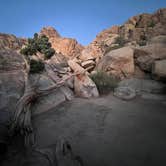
104 82
36 66
35 36
28 50
142 42
49 53
151 24
43 43
38 43
120 41
143 37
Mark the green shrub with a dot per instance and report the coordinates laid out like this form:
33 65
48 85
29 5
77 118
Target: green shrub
142 43
104 82
143 37
38 43
28 50
49 53
36 66
151 24
120 41
35 36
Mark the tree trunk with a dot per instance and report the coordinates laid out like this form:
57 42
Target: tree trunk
22 116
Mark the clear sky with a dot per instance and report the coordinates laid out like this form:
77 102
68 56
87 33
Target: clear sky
80 19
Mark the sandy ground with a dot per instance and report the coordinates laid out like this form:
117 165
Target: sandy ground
108 131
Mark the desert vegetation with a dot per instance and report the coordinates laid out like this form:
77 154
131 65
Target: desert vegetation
119 43
104 82
38 44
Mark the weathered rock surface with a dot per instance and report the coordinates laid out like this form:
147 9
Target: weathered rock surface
11 79
143 59
11 89
159 69
118 62
76 67
144 26
56 97
67 46
83 85
129 88
125 93
11 41
87 63
146 56
138 30
157 50
99 45
158 39
143 85
58 59
10 60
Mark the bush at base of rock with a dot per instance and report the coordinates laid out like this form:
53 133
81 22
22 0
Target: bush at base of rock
120 40
104 82
142 43
36 66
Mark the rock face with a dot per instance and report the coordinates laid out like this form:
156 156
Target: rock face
11 79
143 59
118 62
144 26
11 41
138 30
11 89
159 69
66 46
148 57
143 85
98 46
50 32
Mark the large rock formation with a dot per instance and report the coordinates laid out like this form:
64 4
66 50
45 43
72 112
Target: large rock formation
98 46
118 62
138 30
83 85
67 46
144 26
11 41
150 58
11 79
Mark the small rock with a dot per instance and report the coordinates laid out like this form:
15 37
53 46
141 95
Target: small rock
125 93
88 63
